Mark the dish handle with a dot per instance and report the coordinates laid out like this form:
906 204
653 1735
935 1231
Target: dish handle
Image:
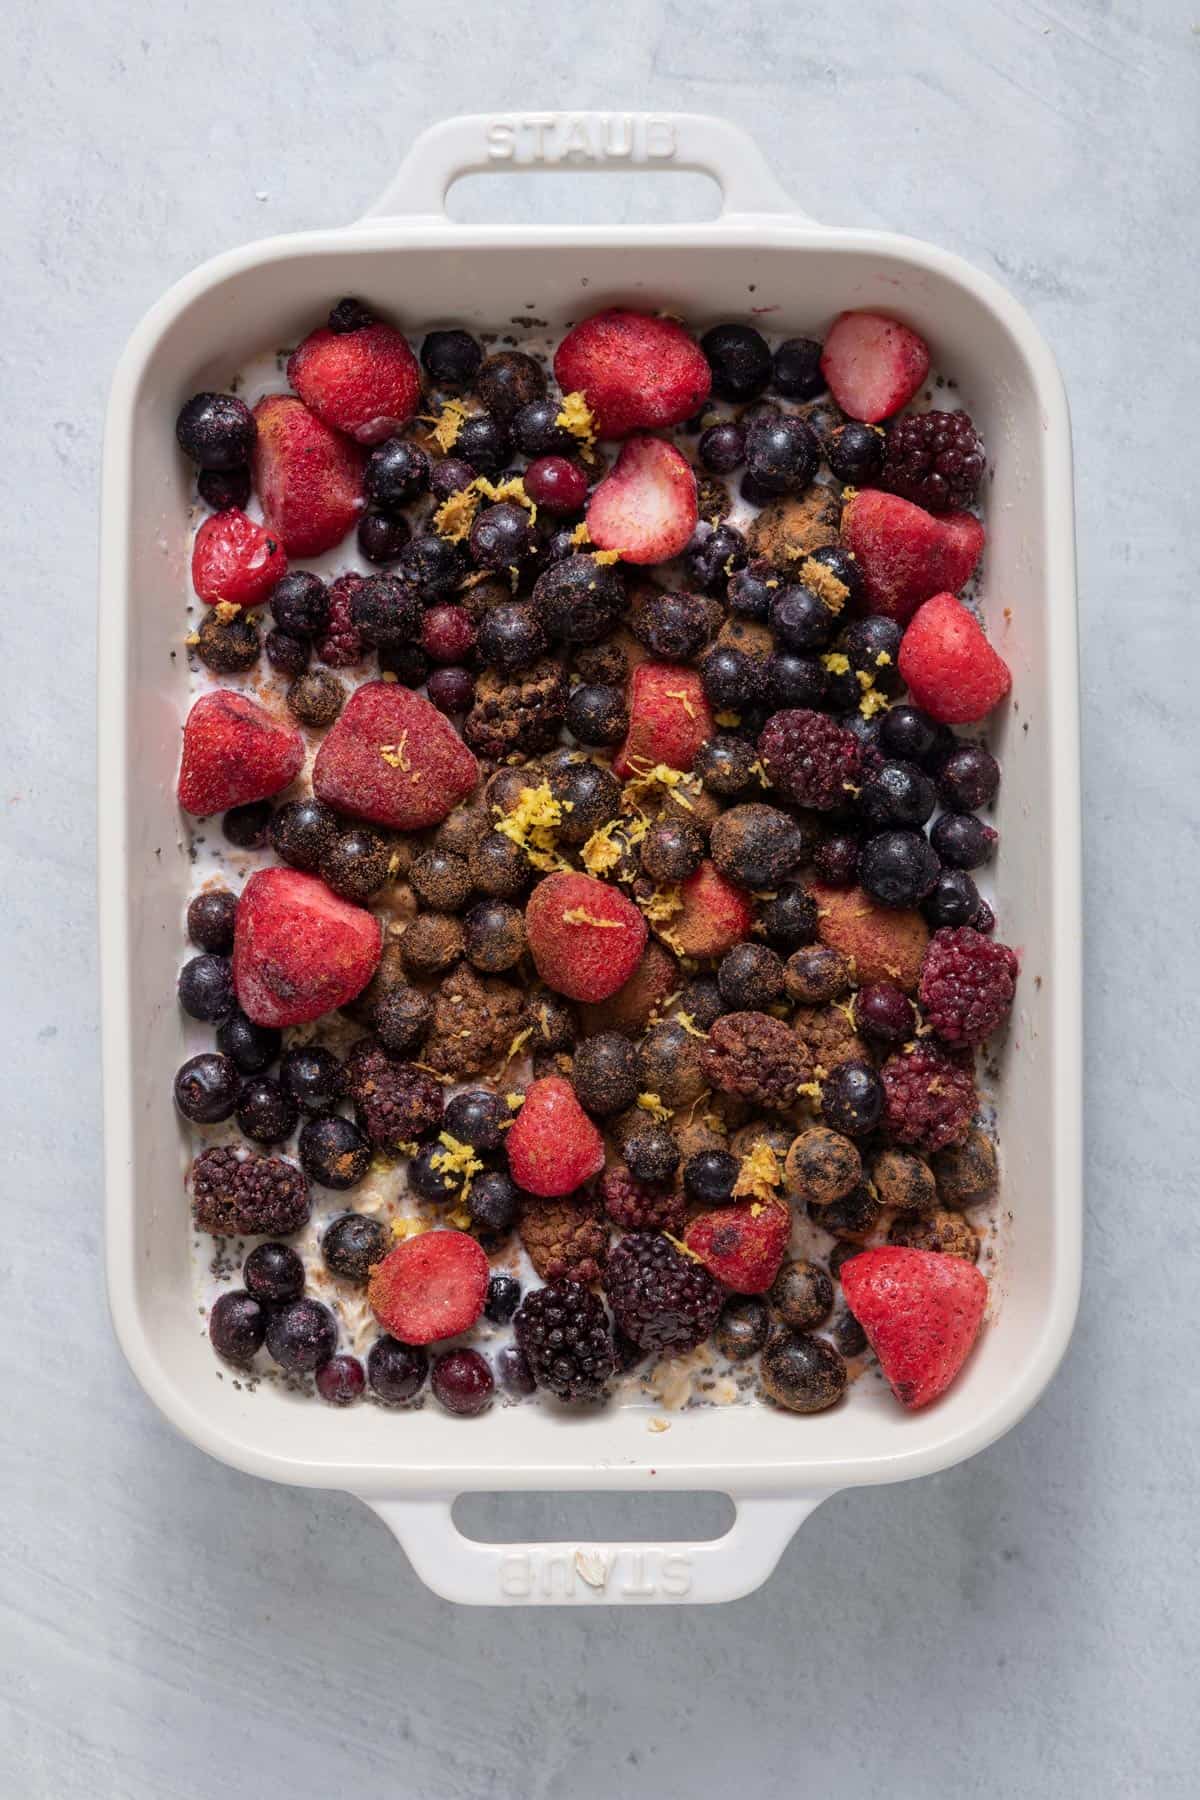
472 1573
476 143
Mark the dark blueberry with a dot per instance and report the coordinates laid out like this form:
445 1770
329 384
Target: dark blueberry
286 653
223 488
846 1332
579 600
483 442
536 431
210 919
740 360
206 987
840 1255
605 1073
380 539
396 1371
801 1373
754 493
843 568
462 1382
790 919
953 899
898 868
206 1088
752 590
402 1016
897 794
247 826
800 619
884 1012
228 647
797 369
407 662
450 476
782 454
432 565
237 1326
216 430
274 1272
508 381
750 978
451 690
596 714
907 732
430 1178
852 1099
867 733
357 864
513 1372
968 778
722 448
493 1200
741 1330
795 680
725 765
708 1177
855 1213
475 1118
252 1047
451 358
502 536
303 832
386 610
266 1112
854 452
333 1152
300 604
351 1243
440 879
873 645
313 1076
836 860
963 841
714 556
590 795
396 473
510 636
503 1298
671 850
651 1153
340 1381
673 627
301 1335
802 1295
842 692
495 936
731 678
349 315
560 545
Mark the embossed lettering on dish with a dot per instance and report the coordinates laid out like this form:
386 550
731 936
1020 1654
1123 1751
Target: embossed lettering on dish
648 1574
580 138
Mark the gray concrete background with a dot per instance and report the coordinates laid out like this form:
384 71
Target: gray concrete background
1021 1625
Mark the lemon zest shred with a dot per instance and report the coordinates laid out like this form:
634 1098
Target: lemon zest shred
651 1104
837 662
760 1173
601 853
447 425
726 717
579 915
576 416
683 1249
689 1025
684 699
406 1228
396 755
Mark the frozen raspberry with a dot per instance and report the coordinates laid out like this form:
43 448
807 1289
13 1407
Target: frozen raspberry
564 1336
241 1196
636 1205
967 984
565 1238
341 643
660 1299
395 1101
929 1098
934 459
810 758
755 1056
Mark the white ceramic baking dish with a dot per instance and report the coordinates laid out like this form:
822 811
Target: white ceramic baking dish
760 257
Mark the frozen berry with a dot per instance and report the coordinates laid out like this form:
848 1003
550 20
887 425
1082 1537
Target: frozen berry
440 879
604 1073
782 454
885 1013
450 476
303 832
816 974
266 1112
853 1215
725 765
432 565
802 1295
898 868
579 600
800 619
333 1151
756 845
930 1097
223 489
537 433
796 368
836 860
740 360
273 1272
300 604
751 591
313 1076
907 732
804 1374
897 793
508 381
340 1381
451 690
349 315
396 472
833 572
953 899
286 653
237 1326
662 1300
741 1331
904 1182
563 1333
652 1152
596 714
247 826
495 936
316 698
206 987
722 448
854 452
301 1335
968 778
381 539
589 794
967 985
872 647
750 978
462 1382
351 1243
708 1177
216 430
810 758
228 647
356 864
674 627
852 1099
791 680
789 919
732 680
511 636
484 443
451 358
934 459
206 1088
385 611
513 1372
962 841
396 1371
503 1298
402 1015
432 1177
557 484
210 918
493 1201
501 536
671 850
714 556
985 919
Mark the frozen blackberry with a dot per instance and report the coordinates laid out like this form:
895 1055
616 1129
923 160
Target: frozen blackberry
217 431
802 1295
351 1243
248 1196
396 1372
800 619
266 1112
563 1333
945 1233
904 1182
508 381
483 442
816 974
301 1335
651 1152
789 920
316 699
210 920
962 841
929 1097
708 1177
671 850
796 369
968 778
396 473
604 1073
934 459
952 900
501 536
273 1272
810 758
635 1205
756 845
782 454
722 448
596 714
237 1326
664 1301
967 1172
885 1013
897 793
565 1237
349 315
967 984
503 1298
750 978
493 1202
205 987
755 1056
313 1076
854 452
801 1373
303 832
741 1331
394 1102
451 358
714 556
852 1099
356 864
519 713
740 360
579 600
333 1152
725 765
898 868
247 827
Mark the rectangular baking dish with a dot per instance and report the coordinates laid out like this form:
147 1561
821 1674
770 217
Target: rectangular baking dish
759 258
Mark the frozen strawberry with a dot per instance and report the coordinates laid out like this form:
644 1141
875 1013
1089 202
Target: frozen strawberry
298 950
553 1147
951 669
429 1287
636 372
882 943
393 758
742 1245
234 752
716 915
669 719
235 560
905 554
365 382
585 937
308 479
873 364
629 1009
646 505
921 1312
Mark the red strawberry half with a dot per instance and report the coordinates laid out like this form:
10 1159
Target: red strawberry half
392 757
743 1245
716 915
234 752
553 1147
873 364
299 951
669 719
921 1312
646 505
585 937
905 553
948 664
636 372
236 560
308 479
365 383
430 1287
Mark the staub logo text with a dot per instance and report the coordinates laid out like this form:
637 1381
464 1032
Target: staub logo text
581 138
649 1574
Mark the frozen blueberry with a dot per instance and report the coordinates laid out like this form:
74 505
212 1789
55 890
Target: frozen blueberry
206 987
301 1335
